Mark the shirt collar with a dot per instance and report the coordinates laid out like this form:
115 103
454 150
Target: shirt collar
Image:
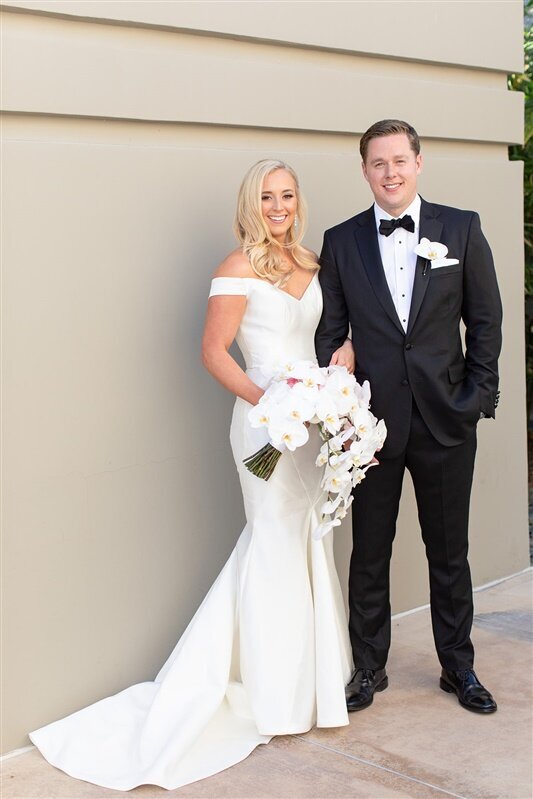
413 211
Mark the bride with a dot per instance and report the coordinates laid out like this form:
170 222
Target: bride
267 653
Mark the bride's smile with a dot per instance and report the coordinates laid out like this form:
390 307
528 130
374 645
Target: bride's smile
279 203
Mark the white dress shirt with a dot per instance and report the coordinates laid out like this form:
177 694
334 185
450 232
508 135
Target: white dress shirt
399 258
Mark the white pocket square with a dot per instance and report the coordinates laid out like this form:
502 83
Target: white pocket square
438 263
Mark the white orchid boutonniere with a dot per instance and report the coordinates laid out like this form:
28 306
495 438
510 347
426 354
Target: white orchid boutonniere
435 254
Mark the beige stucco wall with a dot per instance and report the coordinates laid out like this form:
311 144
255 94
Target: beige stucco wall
126 130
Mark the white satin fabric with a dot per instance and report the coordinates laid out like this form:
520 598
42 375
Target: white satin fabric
267 653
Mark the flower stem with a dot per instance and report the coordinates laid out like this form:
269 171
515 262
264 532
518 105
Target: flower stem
263 462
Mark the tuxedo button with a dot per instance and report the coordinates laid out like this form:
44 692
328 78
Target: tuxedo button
408 346
404 382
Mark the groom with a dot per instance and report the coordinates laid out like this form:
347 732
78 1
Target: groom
404 312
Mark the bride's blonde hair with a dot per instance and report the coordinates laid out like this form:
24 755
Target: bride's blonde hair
263 251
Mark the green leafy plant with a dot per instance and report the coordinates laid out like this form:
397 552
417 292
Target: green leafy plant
523 82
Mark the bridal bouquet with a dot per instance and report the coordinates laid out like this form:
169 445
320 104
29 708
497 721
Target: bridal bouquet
302 393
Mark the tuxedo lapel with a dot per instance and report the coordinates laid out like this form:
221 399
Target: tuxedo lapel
367 243
430 228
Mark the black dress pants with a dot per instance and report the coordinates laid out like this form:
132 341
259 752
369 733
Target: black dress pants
442 478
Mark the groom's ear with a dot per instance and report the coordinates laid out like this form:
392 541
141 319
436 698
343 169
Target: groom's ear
419 163
363 167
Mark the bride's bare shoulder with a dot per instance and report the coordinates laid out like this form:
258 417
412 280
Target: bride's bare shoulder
236 264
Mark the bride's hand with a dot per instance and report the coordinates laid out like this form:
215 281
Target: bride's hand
344 356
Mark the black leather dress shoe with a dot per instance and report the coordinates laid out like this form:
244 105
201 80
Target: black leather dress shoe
470 693
364 683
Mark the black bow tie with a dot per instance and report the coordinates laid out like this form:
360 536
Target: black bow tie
386 226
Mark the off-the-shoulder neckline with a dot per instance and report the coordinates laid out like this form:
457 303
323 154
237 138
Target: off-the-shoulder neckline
268 283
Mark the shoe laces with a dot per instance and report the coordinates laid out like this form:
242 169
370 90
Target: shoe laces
464 674
368 675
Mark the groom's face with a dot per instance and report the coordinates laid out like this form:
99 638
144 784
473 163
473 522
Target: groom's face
391 169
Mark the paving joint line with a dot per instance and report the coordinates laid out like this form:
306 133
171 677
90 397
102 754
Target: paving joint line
476 590
381 768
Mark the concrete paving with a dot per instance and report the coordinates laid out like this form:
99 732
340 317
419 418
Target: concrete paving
415 742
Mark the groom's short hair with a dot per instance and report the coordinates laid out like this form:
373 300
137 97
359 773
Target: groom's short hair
389 127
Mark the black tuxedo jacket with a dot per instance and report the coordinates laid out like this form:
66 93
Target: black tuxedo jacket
450 387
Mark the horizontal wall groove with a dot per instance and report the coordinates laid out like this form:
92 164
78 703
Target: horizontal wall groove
348 134
153 75
333 26
258 40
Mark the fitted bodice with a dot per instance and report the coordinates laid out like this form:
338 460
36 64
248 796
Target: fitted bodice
275 326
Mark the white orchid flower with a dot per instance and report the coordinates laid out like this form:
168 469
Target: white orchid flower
330 421
435 252
340 462
380 433
347 433
305 371
374 441
363 422
363 394
336 481
324 528
309 373
285 371
259 415
322 459
431 249
341 385
306 390
343 510
338 377
362 452
291 434
295 408
346 401
330 370
327 412
331 505
357 452
345 489
358 475
273 395
335 443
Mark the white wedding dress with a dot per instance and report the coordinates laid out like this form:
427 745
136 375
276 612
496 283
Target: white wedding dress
267 653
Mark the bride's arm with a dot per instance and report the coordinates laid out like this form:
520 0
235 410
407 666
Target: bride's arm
224 314
344 356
